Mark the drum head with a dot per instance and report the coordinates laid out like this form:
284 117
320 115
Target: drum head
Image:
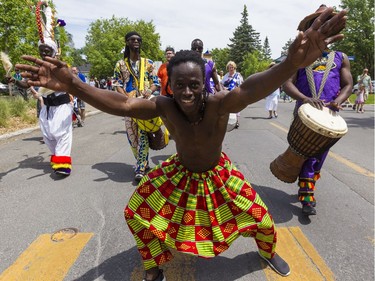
324 122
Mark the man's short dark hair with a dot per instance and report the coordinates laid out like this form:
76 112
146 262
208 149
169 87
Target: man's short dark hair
169 48
185 56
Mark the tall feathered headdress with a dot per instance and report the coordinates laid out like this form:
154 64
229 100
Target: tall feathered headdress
48 26
7 64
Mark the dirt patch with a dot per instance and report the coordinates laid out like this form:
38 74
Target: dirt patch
16 123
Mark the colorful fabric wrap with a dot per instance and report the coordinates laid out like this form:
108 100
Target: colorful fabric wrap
196 213
61 163
150 125
308 176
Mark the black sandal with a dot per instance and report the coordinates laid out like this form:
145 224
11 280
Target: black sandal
160 277
277 264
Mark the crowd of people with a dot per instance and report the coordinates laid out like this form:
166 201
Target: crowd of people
196 201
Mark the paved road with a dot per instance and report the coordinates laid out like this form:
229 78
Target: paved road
337 244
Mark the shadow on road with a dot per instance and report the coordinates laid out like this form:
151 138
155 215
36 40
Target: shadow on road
39 139
127 266
281 205
36 162
117 172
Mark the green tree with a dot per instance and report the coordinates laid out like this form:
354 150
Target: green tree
245 40
221 58
18 31
106 39
253 63
266 50
285 49
359 36
78 57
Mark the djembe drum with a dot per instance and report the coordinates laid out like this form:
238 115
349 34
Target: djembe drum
312 132
157 138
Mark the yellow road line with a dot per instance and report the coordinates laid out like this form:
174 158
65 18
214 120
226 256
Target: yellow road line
293 246
46 260
285 130
355 167
338 158
304 261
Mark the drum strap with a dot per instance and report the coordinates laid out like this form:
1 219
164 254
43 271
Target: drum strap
139 80
310 76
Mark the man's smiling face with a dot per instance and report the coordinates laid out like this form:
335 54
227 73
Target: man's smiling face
187 86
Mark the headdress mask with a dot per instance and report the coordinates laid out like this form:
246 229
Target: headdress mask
48 26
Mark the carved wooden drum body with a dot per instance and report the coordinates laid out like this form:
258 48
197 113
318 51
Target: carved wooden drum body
312 132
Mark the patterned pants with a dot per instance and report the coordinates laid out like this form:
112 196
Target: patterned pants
139 145
196 213
309 174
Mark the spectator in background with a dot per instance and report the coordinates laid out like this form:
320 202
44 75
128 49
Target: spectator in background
102 84
365 80
165 89
221 75
211 72
92 82
359 101
109 83
17 75
232 79
80 103
272 100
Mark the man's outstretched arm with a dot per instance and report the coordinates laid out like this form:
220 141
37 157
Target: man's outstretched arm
55 75
305 49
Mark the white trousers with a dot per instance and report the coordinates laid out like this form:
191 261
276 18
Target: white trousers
57 128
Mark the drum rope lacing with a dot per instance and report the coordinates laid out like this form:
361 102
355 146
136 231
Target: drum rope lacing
310 76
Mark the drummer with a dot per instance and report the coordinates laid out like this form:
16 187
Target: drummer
128 70
332 92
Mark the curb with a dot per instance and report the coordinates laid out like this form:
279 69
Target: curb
29 130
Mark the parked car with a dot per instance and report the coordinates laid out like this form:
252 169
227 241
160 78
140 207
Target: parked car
355 87
4 88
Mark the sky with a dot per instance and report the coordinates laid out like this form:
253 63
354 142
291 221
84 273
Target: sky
179 22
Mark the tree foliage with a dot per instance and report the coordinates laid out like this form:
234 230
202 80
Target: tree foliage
253 63
19 34
221 58
266 50
106 39
245 40
359 36
285 49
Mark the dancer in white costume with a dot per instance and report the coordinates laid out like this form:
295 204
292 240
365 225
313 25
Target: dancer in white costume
55 118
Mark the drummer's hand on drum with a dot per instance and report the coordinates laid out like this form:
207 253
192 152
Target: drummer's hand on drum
335 106
317 103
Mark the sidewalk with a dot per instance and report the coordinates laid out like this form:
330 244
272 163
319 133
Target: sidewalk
90 110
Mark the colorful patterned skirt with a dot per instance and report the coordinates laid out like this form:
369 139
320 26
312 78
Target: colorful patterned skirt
196 213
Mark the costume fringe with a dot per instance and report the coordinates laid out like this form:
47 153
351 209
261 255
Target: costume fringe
61 162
